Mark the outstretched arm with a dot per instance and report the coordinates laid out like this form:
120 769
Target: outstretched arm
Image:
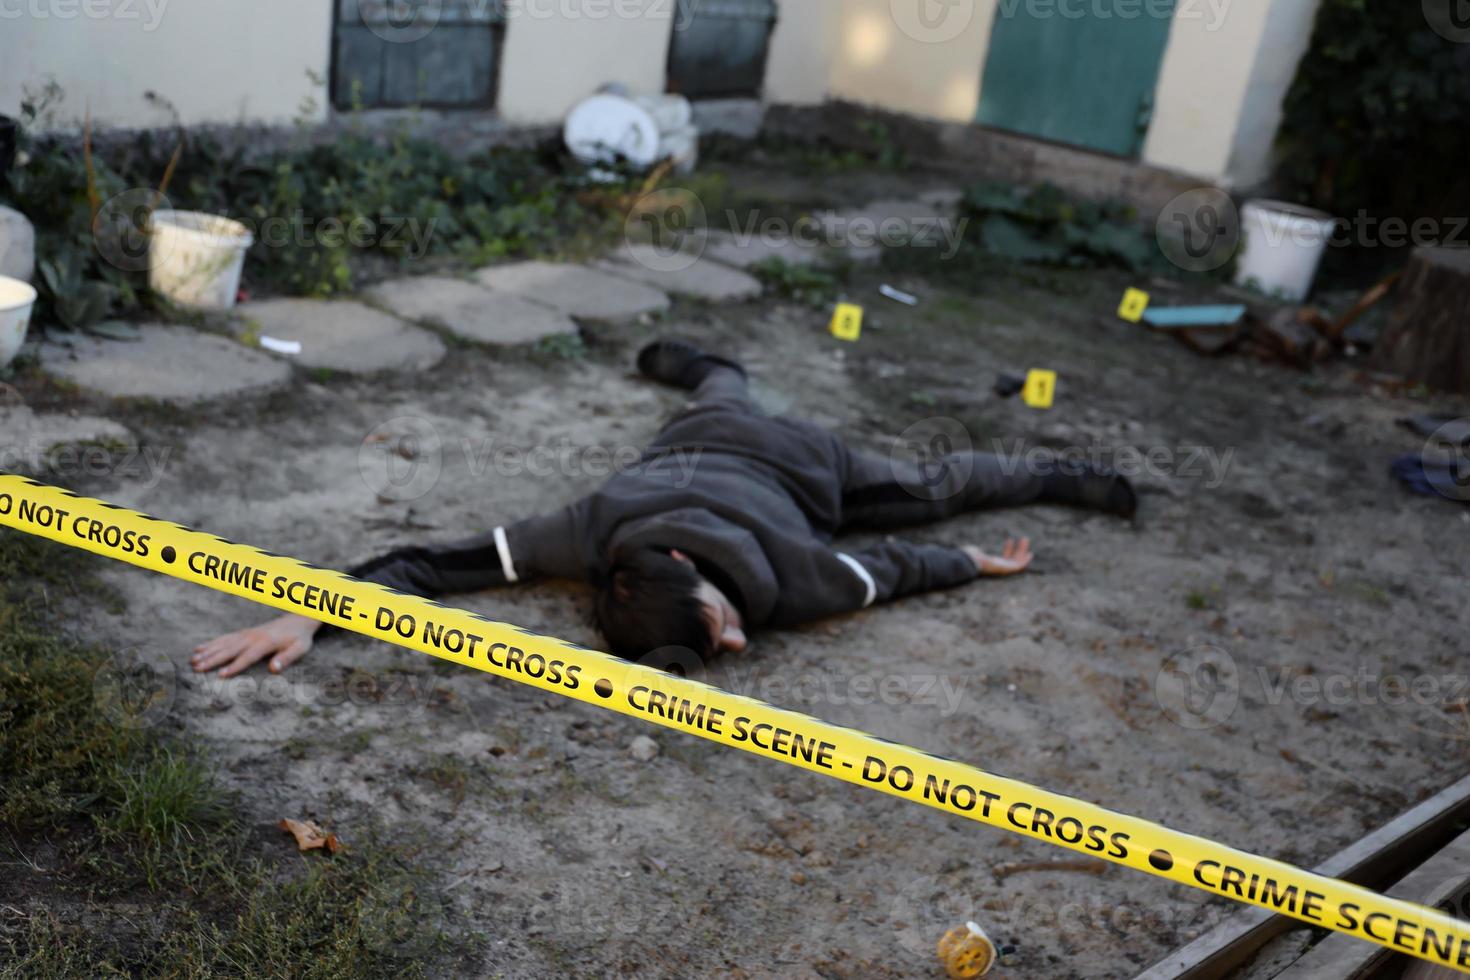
833 582
529 549
900 568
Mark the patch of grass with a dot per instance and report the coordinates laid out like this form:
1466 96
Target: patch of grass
875 148
1045 225
562 347
1197 600
805 284
58 753
322 213
345 916
127 856
451 777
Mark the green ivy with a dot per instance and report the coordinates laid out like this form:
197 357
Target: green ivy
1378 117
322 214
1046 226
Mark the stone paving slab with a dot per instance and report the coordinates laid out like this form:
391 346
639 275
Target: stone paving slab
682 274
343 335
745 251
575 290
177 365
27 436
470 311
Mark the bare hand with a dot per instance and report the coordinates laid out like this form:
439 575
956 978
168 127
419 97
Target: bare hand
1014 558
285 640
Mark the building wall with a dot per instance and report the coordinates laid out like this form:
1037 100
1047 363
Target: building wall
1225 69
1286 38
931 68
1202 88
558 53
799 66
216 60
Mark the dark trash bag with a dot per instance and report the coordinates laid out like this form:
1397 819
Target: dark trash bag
1444 478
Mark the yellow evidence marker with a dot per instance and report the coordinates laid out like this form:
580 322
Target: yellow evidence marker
966 952
1041 389
1135 302
847 321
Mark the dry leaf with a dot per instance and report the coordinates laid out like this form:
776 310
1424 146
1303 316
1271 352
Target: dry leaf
309 836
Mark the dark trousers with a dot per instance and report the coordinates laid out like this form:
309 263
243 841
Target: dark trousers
892 491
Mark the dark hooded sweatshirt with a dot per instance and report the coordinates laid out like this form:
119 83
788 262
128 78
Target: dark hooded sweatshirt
753 500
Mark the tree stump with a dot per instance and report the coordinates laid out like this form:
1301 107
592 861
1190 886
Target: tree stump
1428 336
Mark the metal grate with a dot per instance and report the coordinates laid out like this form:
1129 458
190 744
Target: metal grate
719 47
431 53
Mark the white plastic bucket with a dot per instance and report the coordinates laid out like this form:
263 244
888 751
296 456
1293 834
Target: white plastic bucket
669 112
195 259
1284 245
605 127
17 299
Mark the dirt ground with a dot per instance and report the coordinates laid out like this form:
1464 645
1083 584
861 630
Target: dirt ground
1271 542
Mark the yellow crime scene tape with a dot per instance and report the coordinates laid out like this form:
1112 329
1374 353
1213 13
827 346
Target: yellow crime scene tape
743 723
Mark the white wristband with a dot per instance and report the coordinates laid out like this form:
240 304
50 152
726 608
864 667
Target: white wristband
503 547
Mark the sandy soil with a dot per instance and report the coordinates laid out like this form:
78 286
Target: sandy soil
1272 542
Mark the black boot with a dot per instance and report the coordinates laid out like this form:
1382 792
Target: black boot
680 363
1092 487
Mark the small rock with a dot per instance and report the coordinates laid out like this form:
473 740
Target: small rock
797 878
643 748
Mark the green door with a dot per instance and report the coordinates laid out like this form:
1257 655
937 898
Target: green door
1075 71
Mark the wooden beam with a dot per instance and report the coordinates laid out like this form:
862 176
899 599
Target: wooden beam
1444 877
1404 842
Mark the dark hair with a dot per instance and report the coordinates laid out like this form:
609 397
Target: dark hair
649 601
